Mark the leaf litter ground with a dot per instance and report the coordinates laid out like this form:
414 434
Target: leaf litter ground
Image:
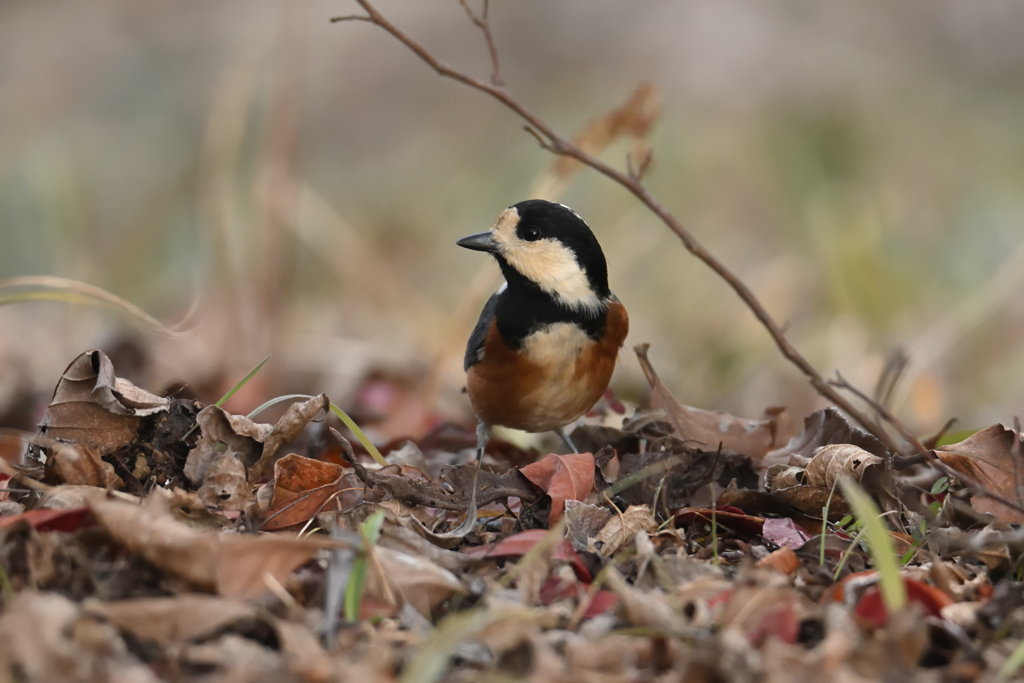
148 539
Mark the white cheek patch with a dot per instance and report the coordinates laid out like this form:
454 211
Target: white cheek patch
547 262
552 266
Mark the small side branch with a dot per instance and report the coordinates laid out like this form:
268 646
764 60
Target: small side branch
351 17
841 383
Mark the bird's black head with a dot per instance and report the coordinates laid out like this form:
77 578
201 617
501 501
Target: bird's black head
540 244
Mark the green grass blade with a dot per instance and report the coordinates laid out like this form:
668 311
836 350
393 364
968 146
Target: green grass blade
880 546
360 434
370 530
232 392
1012 664
242 382
824 522
278 399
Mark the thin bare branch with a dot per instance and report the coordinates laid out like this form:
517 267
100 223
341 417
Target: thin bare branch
562 146
484 25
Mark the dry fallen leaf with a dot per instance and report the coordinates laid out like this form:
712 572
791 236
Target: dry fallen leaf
583 522
252 443
753 438
416 579
783 560
233 565
80 465
822 428
304 487
92 405
985 456
225 485
172 619
809 488
46 637
620 529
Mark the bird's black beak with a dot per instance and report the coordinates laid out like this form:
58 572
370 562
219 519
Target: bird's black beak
482 241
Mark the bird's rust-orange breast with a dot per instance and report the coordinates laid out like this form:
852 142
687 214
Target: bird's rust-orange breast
556 377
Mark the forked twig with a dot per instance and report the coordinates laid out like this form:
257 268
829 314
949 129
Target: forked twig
485 26
552 141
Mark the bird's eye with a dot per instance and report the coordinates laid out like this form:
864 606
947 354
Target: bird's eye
531 234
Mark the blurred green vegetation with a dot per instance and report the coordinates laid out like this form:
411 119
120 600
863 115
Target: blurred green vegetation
861 167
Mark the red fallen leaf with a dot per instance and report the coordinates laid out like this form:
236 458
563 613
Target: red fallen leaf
872 609
563 477
784 532
554 589
519 544
52 520
726 518
604 601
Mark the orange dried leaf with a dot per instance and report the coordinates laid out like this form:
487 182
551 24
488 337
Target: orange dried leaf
782 560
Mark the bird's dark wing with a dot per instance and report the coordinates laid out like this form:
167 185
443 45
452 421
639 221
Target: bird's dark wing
475 347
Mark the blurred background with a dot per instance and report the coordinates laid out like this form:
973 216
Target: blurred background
299 185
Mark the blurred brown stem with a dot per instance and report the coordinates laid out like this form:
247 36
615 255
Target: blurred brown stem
552 141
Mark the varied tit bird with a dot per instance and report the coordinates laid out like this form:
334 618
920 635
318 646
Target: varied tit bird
545 345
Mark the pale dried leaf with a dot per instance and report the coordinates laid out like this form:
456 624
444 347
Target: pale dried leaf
81 465
822 428
225 485
985 456
583 522
253 444
753 438
46 637
621 528
417 580
70 497
174 619
832 462
644 608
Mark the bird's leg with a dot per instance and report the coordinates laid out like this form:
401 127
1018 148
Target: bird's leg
483 435
565 437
